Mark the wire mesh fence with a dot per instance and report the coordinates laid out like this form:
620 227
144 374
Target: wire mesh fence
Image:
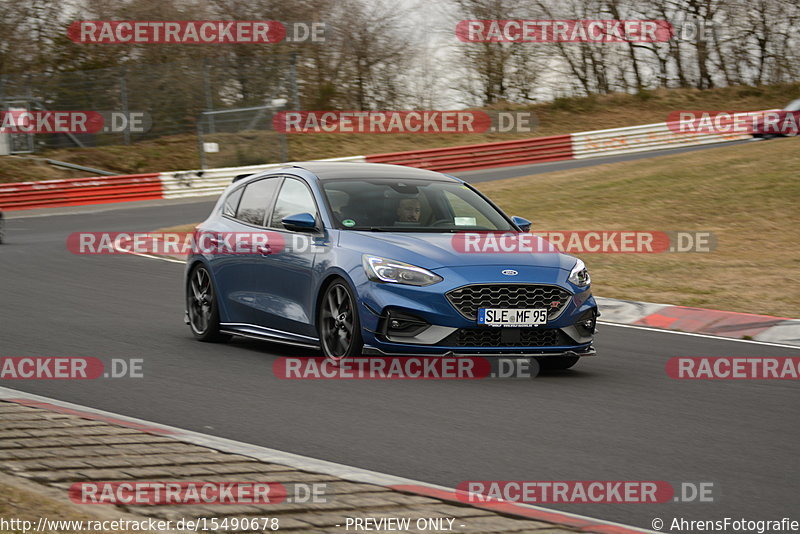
244 136
178 98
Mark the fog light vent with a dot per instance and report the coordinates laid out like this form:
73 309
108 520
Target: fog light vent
403 325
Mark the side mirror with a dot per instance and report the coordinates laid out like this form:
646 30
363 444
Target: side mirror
300 222
524 224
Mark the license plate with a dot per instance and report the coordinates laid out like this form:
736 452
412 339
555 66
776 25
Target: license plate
512 317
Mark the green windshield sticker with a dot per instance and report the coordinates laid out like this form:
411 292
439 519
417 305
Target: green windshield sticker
349 222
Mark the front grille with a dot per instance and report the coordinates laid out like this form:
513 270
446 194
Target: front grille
468 299
506 337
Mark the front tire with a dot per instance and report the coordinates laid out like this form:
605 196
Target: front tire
337 323
202 306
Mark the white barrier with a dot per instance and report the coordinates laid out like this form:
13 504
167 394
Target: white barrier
179 184
643 138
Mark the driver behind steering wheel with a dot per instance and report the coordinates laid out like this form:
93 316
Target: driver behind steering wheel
409 210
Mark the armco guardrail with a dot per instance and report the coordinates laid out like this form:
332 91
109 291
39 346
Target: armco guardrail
78 191
579 145
483 156
642 138
179 184
107 189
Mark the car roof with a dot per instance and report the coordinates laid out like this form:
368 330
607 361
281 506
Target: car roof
347 170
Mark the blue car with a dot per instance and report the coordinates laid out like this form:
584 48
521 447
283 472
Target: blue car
369 259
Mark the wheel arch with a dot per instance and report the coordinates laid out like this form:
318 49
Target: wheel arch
190 267
326 281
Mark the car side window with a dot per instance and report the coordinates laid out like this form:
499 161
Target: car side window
256 200
232 202
294 198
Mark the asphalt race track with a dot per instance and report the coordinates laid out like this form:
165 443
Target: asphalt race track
614 417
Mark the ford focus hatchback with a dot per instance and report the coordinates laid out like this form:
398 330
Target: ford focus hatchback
369 259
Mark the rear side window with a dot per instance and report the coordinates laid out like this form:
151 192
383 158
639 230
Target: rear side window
232 202
294 198
256 200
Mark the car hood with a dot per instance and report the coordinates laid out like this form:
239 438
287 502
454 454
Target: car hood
436 250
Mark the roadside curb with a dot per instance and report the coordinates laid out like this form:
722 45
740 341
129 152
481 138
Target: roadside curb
420 498
734 325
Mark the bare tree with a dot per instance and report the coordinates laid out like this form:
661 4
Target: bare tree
495 71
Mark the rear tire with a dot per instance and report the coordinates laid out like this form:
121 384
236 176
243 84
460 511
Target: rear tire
557 363
337 323
202 307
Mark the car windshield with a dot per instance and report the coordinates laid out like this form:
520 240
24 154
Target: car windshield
410 206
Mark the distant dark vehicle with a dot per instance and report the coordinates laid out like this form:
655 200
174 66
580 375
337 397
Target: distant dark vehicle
784 126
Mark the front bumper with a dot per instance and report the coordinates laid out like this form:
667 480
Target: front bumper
441 330
588 351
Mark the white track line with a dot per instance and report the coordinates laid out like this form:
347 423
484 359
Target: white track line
89 209
151 256
709 336
171 260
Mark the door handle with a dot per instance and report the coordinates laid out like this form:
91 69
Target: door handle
264 250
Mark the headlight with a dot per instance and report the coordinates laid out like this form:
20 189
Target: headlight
383 270
579 275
